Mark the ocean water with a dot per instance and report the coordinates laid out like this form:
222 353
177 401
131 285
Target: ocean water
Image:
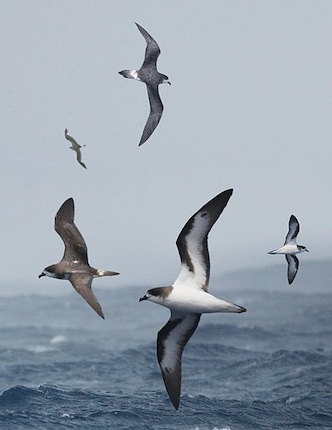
62 367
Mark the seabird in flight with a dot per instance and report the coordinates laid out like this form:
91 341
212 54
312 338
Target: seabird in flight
75 147
291 248
188 297
74 265
149 74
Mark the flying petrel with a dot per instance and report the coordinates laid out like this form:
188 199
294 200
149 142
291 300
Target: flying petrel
291 248
188 297
74 265
75 147
149 74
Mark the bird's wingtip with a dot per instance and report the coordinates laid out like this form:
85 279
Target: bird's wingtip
143 140
175 403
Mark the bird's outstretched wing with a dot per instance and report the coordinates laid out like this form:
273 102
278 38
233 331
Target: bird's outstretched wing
152 50
72 140
293 267
192 242
82 284
171 340
293 231
156 111
75 246
79 158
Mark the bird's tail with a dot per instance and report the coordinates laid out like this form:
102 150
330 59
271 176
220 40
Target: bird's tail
236 308
106 273
274 251
230 307
131 74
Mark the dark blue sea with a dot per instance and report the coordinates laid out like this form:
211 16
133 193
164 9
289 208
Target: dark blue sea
62 367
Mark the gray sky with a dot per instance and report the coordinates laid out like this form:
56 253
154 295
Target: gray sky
249 108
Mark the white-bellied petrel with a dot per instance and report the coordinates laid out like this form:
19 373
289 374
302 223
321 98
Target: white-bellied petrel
74 265
75 147
149 74
291 248
188 297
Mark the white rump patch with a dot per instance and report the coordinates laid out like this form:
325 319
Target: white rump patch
134 74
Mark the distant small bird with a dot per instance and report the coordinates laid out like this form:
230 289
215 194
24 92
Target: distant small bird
74 265
149 74
75 147
291 248
188 297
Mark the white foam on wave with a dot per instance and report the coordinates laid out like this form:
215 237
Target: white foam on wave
66 415
58 339
38 349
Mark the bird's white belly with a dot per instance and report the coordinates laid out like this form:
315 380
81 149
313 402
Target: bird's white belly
195 301
287 249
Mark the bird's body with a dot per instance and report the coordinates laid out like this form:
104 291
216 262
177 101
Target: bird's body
290 248
192 300
75 147
74 265
149 74
188 297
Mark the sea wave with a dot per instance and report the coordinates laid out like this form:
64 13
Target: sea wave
53 406
268 369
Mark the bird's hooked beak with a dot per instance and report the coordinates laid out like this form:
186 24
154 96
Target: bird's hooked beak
142 298
165 80
42 274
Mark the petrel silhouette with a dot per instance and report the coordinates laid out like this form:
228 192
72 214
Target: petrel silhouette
188 297
74 265
149 74
75 147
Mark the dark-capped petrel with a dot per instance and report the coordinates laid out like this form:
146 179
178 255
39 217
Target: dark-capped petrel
188 297
291 248
75 147
149 74
74 265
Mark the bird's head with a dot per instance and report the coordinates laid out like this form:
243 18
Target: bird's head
165 80
157 295
147 296
48 271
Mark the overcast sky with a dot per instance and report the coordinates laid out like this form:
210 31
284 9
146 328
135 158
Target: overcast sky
249 108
